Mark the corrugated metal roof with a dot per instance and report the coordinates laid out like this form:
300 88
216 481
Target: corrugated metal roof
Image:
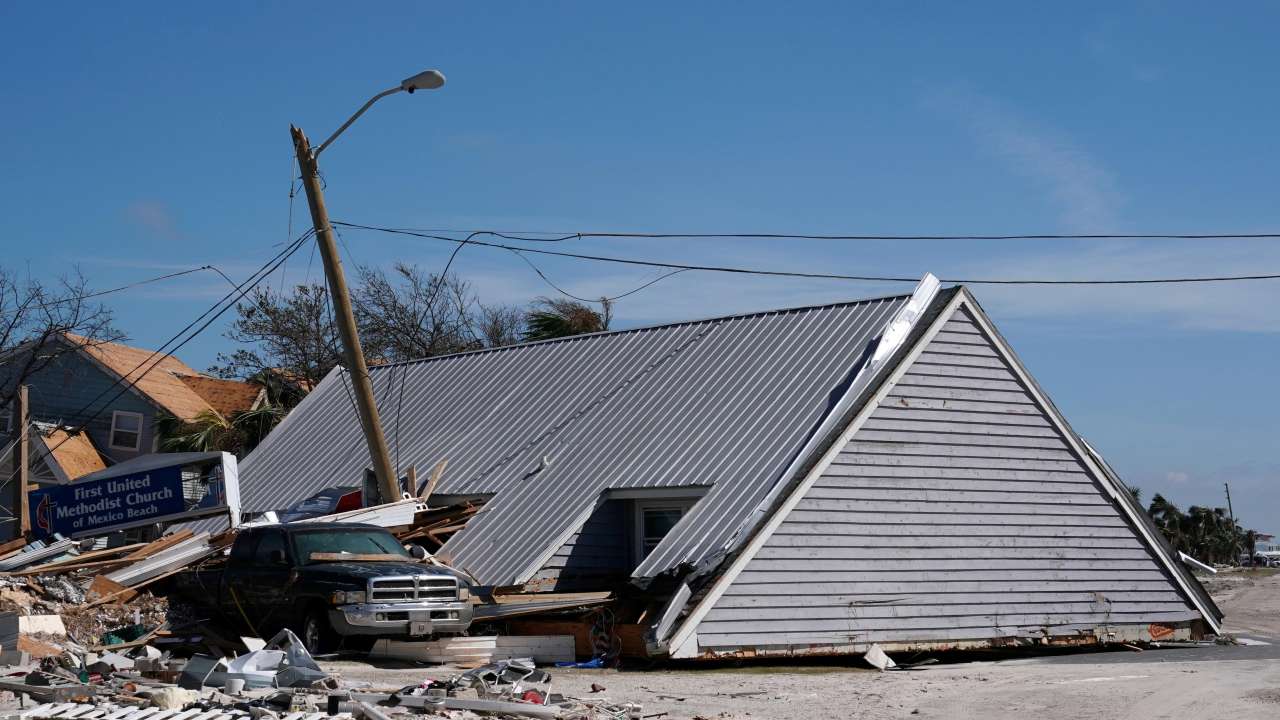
723 403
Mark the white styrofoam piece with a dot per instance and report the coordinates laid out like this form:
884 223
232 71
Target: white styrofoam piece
544 649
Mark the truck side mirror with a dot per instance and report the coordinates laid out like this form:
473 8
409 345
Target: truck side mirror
417 551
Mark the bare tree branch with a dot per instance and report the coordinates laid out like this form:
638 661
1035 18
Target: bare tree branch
33 319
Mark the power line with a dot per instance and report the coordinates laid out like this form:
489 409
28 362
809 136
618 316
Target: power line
568 294
813 275
561 236
122 288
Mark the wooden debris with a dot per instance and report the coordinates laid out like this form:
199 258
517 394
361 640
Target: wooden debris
156 546
436 474
102 587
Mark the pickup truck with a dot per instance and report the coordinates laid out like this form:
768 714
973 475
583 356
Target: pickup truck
327 581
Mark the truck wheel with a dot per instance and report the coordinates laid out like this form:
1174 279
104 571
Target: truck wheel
316 635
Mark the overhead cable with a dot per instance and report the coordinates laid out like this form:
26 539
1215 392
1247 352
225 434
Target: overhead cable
811 275
561 236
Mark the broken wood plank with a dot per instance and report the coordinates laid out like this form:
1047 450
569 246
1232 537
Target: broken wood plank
436 474
156 546
67 567
82 558
103 587
358 557
11 548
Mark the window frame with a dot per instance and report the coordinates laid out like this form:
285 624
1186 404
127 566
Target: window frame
111 438
639 507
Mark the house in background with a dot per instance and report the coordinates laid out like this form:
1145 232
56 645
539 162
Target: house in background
87 416
811 480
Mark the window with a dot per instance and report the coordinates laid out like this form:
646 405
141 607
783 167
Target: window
654 519
242 549
270 550
126 430
374 541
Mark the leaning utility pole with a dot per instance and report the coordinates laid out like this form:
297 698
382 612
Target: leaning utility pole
1230 512
1234 527
353 356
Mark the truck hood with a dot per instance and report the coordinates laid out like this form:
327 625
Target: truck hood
347 571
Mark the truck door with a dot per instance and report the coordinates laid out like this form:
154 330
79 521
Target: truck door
263 584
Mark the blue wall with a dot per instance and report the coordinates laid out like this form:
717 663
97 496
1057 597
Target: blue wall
60 392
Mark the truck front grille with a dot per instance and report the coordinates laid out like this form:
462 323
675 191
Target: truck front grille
411 588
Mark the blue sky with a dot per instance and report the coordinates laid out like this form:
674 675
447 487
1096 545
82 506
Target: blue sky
144 137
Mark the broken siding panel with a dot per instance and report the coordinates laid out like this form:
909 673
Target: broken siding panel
956 513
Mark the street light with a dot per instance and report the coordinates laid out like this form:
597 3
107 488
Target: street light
425 80
353 356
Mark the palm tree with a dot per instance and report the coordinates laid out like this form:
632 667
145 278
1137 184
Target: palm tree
1170 520
549 318
209 431
255 424
1208 534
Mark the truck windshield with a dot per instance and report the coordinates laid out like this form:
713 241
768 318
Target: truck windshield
328 541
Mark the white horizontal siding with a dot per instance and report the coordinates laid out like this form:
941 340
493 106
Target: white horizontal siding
957 512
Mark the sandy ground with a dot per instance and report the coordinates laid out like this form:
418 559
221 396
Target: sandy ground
1013 689
1250 600
1217 682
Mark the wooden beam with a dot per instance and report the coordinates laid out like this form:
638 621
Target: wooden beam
73 563
436 474
156 546
11 548
23 461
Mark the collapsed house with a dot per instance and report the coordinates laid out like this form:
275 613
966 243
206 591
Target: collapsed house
805 481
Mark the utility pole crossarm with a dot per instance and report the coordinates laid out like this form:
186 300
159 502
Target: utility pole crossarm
353 355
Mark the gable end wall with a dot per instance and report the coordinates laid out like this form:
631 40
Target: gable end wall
957 512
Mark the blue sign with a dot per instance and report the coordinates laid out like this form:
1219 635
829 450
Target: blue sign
99 506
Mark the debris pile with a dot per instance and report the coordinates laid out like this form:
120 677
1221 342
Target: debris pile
280 679
89 630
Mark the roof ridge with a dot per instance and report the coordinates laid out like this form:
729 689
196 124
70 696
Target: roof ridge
642 328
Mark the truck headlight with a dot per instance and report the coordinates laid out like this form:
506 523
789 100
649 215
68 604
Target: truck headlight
347 597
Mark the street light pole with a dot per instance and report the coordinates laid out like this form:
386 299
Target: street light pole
353 355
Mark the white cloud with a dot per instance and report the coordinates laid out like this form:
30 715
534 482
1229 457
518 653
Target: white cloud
155 217
1177 478
1077 183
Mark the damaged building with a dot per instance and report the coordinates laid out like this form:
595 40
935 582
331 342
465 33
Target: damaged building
812 480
